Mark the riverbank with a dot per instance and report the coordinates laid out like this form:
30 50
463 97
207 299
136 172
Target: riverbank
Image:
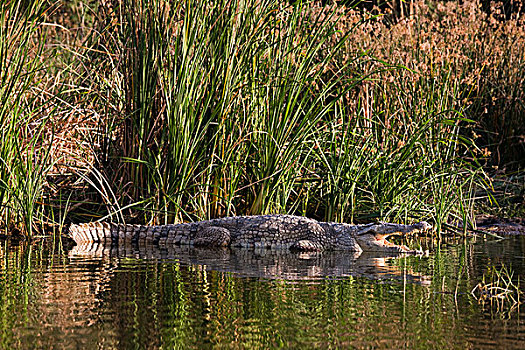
162 112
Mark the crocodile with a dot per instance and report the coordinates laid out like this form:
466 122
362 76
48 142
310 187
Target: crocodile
259 231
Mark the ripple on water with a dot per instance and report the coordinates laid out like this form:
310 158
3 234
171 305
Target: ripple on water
240 298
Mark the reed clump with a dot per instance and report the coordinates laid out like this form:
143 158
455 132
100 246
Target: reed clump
499 291
168 111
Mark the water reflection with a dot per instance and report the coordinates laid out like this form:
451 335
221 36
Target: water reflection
262 263
133 297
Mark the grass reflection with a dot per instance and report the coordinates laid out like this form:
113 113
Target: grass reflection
185 302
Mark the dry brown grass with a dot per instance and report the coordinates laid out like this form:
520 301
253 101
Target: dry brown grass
477 59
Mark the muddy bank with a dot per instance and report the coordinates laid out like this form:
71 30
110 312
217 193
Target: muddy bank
501 226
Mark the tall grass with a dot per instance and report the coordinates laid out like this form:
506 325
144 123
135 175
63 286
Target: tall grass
221 102
24 149
193 110
258 107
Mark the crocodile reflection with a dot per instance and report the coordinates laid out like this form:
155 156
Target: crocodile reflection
263 263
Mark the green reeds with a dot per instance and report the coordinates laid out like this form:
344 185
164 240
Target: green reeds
250 107
200 110
221 102
24 147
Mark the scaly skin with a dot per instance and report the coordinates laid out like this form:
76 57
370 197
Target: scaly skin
263 231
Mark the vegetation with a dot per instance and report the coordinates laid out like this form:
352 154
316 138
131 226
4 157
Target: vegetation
166 111
498 290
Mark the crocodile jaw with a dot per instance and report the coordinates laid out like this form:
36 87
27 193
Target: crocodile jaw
374 237
378 243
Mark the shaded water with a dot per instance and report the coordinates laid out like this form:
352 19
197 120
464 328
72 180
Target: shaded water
94 297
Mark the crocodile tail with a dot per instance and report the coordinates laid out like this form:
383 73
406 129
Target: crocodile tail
102 232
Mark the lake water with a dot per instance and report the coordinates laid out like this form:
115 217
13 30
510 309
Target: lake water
94 297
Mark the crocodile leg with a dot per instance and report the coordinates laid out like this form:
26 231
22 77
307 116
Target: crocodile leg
212 236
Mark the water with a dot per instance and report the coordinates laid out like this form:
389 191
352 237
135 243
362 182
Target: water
93 297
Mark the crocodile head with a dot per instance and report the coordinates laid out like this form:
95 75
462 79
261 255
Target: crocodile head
373 237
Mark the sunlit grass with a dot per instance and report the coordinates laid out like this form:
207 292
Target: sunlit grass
24 114
181 110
